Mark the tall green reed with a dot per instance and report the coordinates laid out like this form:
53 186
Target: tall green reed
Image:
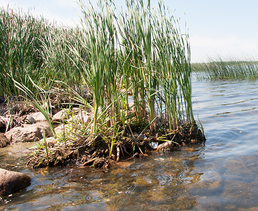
96 41
20 48
162 53
138 50
221 69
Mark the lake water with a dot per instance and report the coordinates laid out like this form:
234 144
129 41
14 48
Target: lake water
221 174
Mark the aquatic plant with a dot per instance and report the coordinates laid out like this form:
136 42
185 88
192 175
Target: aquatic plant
219 69
20 48
135 63
144 50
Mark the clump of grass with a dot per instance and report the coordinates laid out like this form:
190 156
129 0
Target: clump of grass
136 55
33 47
20 48
144 50
228 70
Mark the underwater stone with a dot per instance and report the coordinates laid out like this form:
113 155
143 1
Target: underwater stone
11 182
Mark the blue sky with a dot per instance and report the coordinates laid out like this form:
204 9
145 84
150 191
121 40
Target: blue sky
221 28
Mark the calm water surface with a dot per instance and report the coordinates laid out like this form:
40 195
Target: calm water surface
221 174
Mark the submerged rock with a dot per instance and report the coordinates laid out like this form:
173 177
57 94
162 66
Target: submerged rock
11 182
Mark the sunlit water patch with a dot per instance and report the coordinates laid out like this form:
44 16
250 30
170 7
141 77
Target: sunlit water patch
221 174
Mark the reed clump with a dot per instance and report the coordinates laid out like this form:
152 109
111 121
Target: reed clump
134 63
219 69
21 36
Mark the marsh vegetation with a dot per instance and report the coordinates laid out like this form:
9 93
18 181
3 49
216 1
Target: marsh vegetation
129 69
221 69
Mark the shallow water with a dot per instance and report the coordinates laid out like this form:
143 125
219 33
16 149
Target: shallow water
221 174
